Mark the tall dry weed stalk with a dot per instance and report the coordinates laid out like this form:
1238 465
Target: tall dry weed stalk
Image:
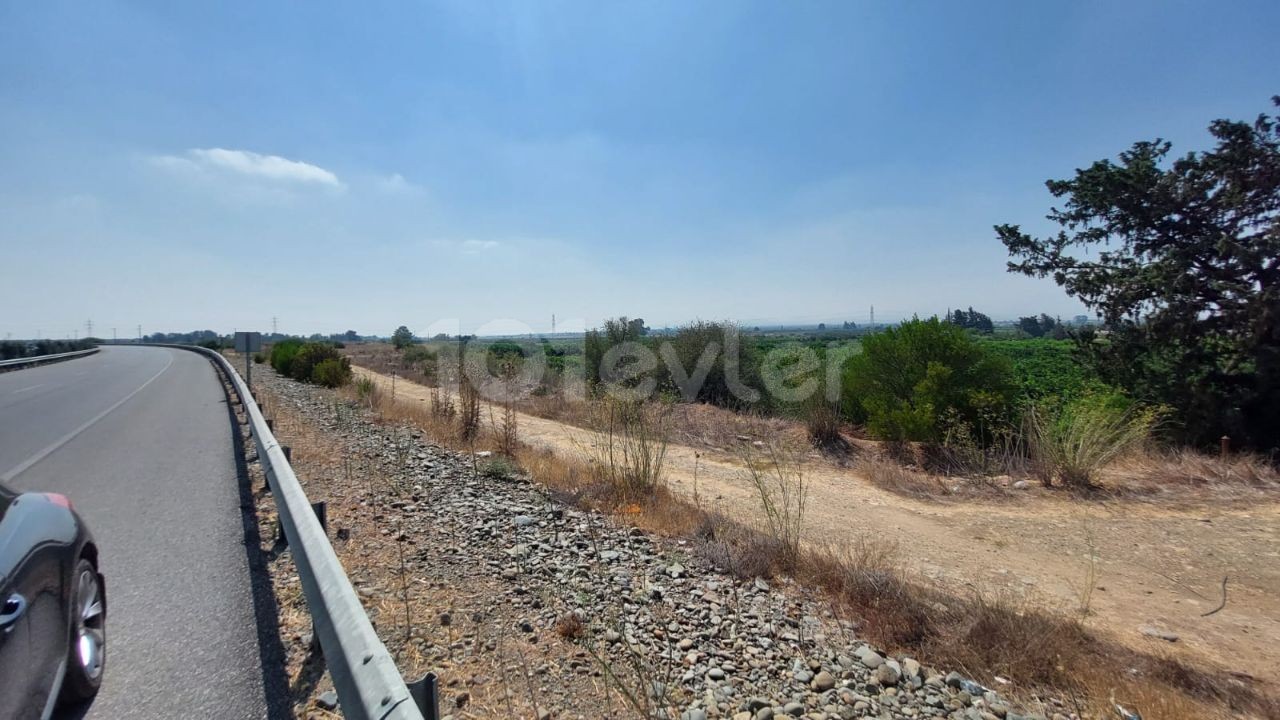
469 410
776 473
628 445
508 431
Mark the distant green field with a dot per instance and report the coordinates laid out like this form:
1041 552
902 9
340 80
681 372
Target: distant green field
1043 367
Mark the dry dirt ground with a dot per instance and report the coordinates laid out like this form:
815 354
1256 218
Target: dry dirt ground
1151 568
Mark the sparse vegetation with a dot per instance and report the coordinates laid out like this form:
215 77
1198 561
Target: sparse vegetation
986 633
628 446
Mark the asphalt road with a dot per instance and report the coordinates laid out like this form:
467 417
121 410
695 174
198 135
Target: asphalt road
140 440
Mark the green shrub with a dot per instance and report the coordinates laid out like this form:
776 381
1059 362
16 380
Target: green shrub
282 354
596 343
908 378
332 372
259 357
499 468
1073 442
691 342
313 362
308 357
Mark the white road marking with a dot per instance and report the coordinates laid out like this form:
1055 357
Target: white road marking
32 387
19 469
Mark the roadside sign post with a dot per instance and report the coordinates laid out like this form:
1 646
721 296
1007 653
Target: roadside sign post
248 343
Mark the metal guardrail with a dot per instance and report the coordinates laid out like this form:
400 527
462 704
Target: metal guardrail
16 363
369 685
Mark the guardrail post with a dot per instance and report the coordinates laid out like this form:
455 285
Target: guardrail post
322 514
425 692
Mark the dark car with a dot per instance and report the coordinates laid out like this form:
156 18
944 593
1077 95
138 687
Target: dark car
53 619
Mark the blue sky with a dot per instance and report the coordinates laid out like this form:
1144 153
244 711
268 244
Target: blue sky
365 165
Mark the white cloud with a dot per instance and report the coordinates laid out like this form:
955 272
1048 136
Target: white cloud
472 247
242 162
396 184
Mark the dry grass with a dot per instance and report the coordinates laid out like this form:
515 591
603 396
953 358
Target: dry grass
986 636
893 476
1187 476
738 550
1173 478
570 626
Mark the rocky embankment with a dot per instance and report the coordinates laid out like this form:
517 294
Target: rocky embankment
610 620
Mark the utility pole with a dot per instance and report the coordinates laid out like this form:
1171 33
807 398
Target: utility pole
88 328
139 333
873 316
114 339
274 331
553 323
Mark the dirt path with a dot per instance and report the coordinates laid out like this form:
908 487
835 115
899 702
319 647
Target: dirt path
1154 567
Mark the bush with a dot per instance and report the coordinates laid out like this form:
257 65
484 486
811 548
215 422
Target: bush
1071 444
313 362
822 420
597 342
308 357
332 372
366 390
499 468
282 354
688 347
908 378
259 357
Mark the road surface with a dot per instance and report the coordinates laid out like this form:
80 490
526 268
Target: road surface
140 440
